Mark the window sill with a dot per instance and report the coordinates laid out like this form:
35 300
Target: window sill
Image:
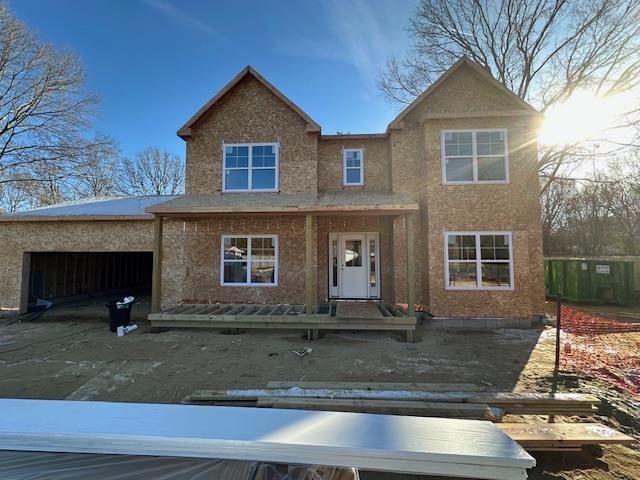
248 284
485 182
480 289
250 191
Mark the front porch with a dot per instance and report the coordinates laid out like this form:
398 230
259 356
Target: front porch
324 316
299 240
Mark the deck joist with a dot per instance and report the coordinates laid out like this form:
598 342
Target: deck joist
279 316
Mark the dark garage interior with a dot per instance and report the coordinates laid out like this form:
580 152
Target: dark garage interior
57 276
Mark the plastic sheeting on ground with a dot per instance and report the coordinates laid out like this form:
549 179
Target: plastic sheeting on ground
19 465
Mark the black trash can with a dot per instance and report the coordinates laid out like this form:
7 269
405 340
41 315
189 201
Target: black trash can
119 315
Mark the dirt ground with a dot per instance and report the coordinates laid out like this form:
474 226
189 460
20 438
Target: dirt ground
69 353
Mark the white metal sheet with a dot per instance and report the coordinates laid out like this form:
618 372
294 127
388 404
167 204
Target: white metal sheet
98 206
431 446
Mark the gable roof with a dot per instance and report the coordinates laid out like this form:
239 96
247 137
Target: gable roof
484 74
185 130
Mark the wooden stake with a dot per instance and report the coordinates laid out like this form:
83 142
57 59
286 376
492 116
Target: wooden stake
156 286
558 325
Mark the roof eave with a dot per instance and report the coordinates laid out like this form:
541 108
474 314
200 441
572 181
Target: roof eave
277 210
72 218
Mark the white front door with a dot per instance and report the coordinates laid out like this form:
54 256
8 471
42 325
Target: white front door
353 266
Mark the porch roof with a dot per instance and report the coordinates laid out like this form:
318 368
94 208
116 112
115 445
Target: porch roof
275 203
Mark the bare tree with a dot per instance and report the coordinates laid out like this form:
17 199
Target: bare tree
44 109
96 174
543 50
555 216
50 185
623 198
591 219
152 172
16 194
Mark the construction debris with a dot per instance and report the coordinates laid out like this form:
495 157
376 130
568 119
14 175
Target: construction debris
303 352
453 400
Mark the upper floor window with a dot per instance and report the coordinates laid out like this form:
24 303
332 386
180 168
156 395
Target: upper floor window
353 168
250 167
474 156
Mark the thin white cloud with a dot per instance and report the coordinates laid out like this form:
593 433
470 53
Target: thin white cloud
362 37
364 34
181 17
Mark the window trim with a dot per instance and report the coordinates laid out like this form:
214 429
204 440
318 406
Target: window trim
249 262
344 167
474 156
250 167
478 260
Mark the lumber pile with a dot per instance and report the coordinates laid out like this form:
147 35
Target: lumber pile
426 387
469 411
562 437
444 400
567 404
458 400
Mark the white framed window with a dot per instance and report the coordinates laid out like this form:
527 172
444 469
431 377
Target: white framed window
250 167
474 156
353 166
249 260
478 261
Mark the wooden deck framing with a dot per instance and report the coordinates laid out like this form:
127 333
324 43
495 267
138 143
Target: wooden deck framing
280 316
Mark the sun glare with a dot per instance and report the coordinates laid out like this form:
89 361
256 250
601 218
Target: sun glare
583 116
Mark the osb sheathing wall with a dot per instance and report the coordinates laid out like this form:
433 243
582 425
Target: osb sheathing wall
17 238
251 113
515 207
377 164
343 224
191 260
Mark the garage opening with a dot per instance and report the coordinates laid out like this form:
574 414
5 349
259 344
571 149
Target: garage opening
61 276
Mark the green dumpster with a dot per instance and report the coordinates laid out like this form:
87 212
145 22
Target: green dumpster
589 280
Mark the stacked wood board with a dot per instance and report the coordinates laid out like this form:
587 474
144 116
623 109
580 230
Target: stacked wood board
423 446
454 400
391 394
569 404
562 436
472 411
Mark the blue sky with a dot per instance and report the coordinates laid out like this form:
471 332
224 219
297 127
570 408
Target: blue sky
155 62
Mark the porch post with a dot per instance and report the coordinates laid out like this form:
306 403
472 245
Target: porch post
308 264
156 281
411 284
